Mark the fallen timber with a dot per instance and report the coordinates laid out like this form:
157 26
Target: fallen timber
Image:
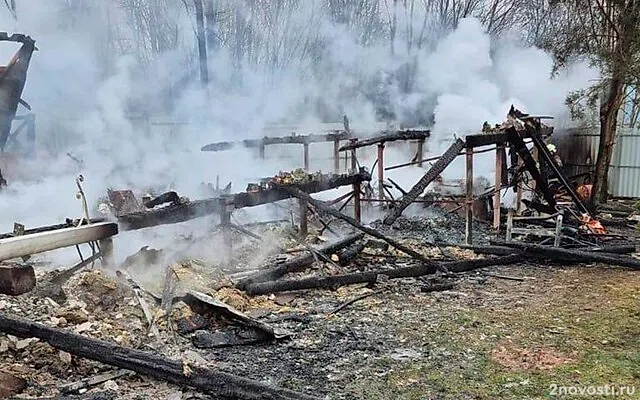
199 208
179 372
28 244
297 264
574 255
321 206
388 137
334 281
265 141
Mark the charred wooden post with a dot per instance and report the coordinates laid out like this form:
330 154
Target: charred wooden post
180 372
225 224
381 171
304 208
261 151
420 152
336 156
498 186
306 156
357 214
469 197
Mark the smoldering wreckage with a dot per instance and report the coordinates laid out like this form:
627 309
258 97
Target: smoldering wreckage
162 330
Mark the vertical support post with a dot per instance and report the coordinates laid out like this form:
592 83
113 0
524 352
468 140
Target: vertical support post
261 151
497 187
420 152
225 222
336 156
106 248
356 186
520 188
306 157
381 171
509 224
304 227
469 197
558 238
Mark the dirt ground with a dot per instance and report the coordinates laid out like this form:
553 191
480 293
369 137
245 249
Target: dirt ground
487 338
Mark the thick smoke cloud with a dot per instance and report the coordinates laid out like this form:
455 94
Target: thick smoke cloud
85 94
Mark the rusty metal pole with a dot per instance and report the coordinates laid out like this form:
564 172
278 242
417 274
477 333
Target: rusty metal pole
497 187
336 156
420 152
469 198
304 227
380 171
306 157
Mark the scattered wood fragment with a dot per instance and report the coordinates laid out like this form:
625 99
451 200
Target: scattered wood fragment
506 277
372 276
147 313
437 287
179 372
93 381
320 205
355 300
576 255
298 263
16 279
417 189
204 304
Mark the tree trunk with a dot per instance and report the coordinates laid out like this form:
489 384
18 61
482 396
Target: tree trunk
608 123
202 46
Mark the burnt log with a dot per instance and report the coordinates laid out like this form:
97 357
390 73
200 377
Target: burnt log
16 280
574 255
321 206
331 282
179 372
297 264
417 189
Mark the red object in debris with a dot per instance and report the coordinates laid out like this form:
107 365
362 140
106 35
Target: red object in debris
584 191
592 225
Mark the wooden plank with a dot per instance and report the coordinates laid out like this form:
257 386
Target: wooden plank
388 137
50 240
265 141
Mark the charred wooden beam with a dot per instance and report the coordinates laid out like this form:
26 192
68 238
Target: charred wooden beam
176 213
179 372
298 263
12 82
521 148
576 255
388 137
433 172
334 281
25 245
265 141
486 139
322 207
172 214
